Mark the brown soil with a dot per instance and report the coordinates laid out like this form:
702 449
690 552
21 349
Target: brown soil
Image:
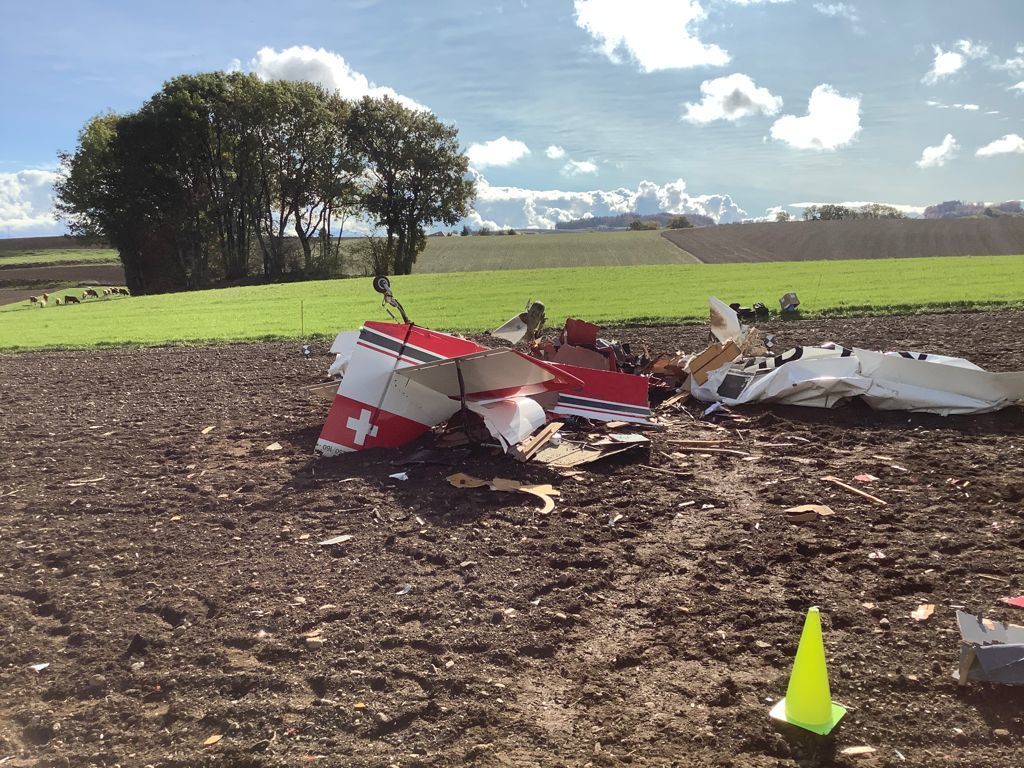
861 239
92 274
169 577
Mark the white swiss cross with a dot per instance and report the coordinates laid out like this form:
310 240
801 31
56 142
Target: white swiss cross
361 426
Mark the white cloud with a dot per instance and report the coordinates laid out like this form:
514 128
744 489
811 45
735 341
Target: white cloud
950 62
1013 65
500 152
936 157
26 203
657 34
504 207
944 65
832 121
317 65
554 152
1011 143
965 107
731 98
1018 87
578 167
844 10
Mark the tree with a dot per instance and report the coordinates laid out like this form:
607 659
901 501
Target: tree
679 222
781 216
415 174
639 225
466 231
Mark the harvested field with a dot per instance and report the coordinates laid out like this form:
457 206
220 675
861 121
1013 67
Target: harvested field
858 239
91 274
174 583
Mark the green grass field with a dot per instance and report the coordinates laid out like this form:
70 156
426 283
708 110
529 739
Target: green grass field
475 301
534 251
59 256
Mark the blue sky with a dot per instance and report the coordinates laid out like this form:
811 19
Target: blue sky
569 107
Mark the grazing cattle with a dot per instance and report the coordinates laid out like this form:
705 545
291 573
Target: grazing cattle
123 291
107 291
33 299
46 297
71 300
56 302
42 302
90 292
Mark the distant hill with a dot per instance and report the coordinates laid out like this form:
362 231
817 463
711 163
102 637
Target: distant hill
955 209
852 239
623 220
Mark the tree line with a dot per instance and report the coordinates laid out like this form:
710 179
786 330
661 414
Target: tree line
217 176
836 212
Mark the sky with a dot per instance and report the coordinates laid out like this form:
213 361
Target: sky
568 108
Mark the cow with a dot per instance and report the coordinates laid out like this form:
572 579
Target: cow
90 292
46 297
33 299
107 291
69 299
56 302
123 291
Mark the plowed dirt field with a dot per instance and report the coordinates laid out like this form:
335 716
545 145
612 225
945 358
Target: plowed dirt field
175 585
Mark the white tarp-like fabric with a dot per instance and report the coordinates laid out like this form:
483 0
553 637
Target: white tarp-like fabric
823 377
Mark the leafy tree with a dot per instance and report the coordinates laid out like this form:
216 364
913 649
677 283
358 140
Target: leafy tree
415 174
781 216
466 231
639 225
679 222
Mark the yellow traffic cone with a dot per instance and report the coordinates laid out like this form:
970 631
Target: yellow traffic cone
808 703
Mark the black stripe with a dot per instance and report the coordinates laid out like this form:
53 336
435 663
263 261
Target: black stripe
396 346
571 400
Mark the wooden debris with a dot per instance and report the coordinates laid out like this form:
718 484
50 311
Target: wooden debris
711 359
208 430
527 449
728 451
857 491
805 513
542 492
77 483
462 480
923 611
679 399
336 540
857 751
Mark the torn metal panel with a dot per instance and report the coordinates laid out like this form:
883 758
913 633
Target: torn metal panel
990 651
343 347
523 327
826 376
490 374
605 396
511 420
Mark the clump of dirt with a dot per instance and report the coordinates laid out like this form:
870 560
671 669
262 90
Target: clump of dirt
175 584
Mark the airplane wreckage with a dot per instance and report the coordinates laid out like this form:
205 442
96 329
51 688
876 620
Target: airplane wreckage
399 380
